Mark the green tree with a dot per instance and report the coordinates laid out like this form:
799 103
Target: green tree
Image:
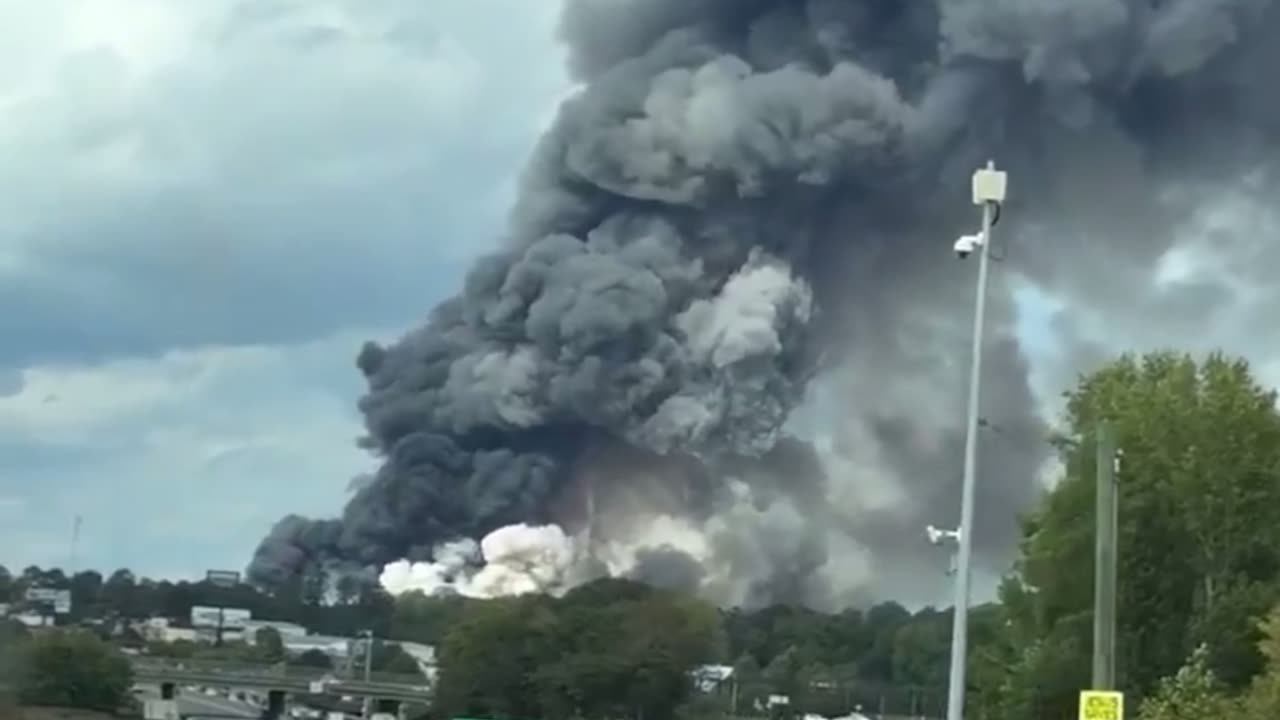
1192 694
1198 555
86 589
13 635
922 650
120 592
663 639
609 649
389 657
72 669
422 618
1262 701
268 645
314 659
488 658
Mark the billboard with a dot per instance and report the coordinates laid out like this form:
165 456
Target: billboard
59 601
203 616
223 578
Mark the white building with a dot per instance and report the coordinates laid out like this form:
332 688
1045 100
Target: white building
33 620
209 635
424 655
335 647
709 678
286 629
170 634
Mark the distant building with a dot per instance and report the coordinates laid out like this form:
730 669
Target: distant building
335 647
286 629
424 655
709 678
174 634
210 635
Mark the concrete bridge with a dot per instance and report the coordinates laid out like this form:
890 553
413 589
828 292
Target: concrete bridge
277 681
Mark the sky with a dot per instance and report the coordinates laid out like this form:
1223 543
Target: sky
205 208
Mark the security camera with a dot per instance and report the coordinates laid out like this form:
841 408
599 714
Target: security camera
936 536
965 246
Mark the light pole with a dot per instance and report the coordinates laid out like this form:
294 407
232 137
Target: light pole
368 666
989 187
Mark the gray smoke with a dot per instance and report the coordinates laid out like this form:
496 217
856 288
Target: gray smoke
751 194
668 568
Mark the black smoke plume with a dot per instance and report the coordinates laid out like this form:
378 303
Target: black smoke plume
746 210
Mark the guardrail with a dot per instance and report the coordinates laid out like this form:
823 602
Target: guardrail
273 670
392 686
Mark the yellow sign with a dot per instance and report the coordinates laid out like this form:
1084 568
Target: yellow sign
1101 705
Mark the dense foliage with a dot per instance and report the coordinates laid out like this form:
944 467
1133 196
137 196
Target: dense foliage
64 668
1199 555
1199 570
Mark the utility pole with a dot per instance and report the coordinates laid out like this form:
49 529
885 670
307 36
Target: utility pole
366 707
989 186
217 638
1104 568
75 546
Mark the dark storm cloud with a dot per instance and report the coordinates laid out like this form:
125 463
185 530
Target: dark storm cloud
748 192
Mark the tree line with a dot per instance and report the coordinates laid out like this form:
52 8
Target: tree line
123 596
896 657
1199 584
615 648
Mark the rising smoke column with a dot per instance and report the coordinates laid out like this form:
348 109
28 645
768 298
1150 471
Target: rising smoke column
751 194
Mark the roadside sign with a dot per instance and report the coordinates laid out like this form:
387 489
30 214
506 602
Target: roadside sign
223 578
56 601
1101 705
204 616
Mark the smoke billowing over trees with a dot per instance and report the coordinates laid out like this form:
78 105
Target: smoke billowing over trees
741 219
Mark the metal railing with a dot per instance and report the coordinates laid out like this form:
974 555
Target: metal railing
274 670
280 675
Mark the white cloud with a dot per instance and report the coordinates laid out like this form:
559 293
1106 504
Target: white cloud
194 452
244 172
204 205
204 208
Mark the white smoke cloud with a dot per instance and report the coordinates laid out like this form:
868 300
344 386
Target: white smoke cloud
742 321
512 560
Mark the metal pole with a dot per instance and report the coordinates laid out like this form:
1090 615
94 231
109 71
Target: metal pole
368 667
217 640
960 623
1104 566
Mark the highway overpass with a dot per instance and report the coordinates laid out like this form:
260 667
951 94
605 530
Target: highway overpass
279 677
